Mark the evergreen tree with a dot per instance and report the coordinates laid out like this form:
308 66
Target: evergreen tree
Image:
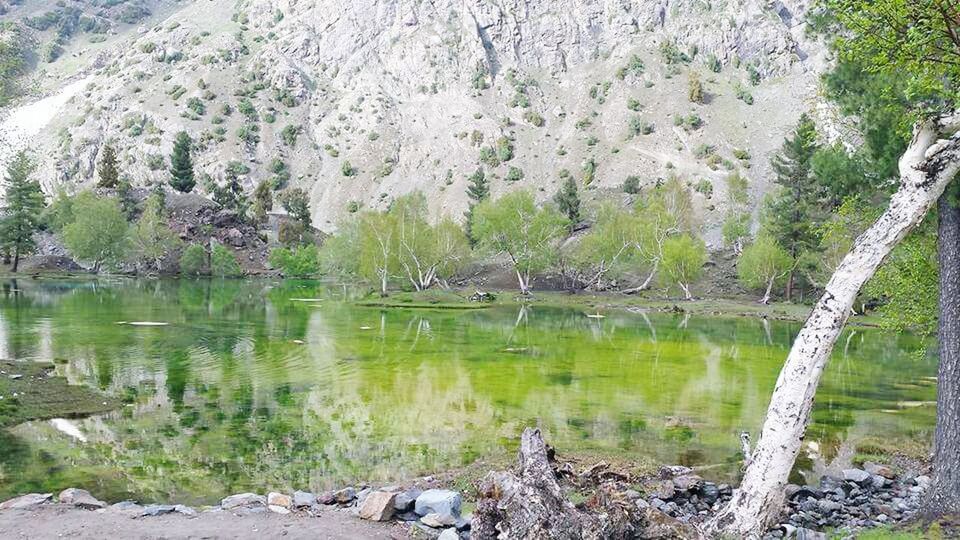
125 194
793 213
25 203
296 202
181 164
230 196
107 171
262 201
569 201
477 191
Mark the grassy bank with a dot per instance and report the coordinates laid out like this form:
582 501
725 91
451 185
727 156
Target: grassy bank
597 302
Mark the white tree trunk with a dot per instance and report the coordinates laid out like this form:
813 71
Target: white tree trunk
766 294
926 168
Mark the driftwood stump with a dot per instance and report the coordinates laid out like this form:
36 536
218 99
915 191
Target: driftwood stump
530 505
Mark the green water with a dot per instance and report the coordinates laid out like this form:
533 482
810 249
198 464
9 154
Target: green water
249 388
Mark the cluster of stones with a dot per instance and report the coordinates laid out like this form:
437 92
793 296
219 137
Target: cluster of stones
435 512
680 494
859 498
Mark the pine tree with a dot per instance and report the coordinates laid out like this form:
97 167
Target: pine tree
477 191
25 203
262 202
107 169
181 165
569 201
230 196
792 214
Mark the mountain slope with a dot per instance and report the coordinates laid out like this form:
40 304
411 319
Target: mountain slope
359 102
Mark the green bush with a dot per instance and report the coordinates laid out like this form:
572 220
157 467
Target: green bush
300 261
223 263
631 185
193 261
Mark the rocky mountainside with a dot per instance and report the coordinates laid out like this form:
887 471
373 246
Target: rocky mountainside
358 102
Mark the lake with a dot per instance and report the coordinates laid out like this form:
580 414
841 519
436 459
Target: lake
264 385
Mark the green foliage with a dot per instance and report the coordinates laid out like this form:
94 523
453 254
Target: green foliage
695 92
297 203
262 202
840 174
631 185
181 164
634 67
534 119
223 262
736 227
568 201
713 63
504 149
289 135
478 190
151 238
193 261
99 233
107 172
425 253
60 212
230 196
300 261
347 169
683 260
14 50
24 207
609 249
514 174
763 263
914 41
513 225
792 215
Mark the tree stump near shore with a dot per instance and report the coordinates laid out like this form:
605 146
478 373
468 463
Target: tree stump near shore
529 504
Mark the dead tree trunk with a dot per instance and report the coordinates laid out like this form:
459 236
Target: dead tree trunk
529 504
926 168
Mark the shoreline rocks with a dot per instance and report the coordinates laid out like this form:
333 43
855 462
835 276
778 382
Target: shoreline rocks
669 505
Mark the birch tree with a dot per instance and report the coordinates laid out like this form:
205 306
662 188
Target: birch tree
608 248
762 264
666 212
683 260
514 226
918 43
930 162
377 248
426 254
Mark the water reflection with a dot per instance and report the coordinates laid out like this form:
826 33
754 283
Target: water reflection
265 385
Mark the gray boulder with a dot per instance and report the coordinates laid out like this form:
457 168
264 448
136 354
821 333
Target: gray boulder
243 500
80 498
303 499
24 502
856 475
439 501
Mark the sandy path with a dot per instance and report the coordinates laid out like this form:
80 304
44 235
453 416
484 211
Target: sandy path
56 521
19 124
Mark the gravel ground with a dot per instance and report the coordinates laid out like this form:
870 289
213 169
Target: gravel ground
60 521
